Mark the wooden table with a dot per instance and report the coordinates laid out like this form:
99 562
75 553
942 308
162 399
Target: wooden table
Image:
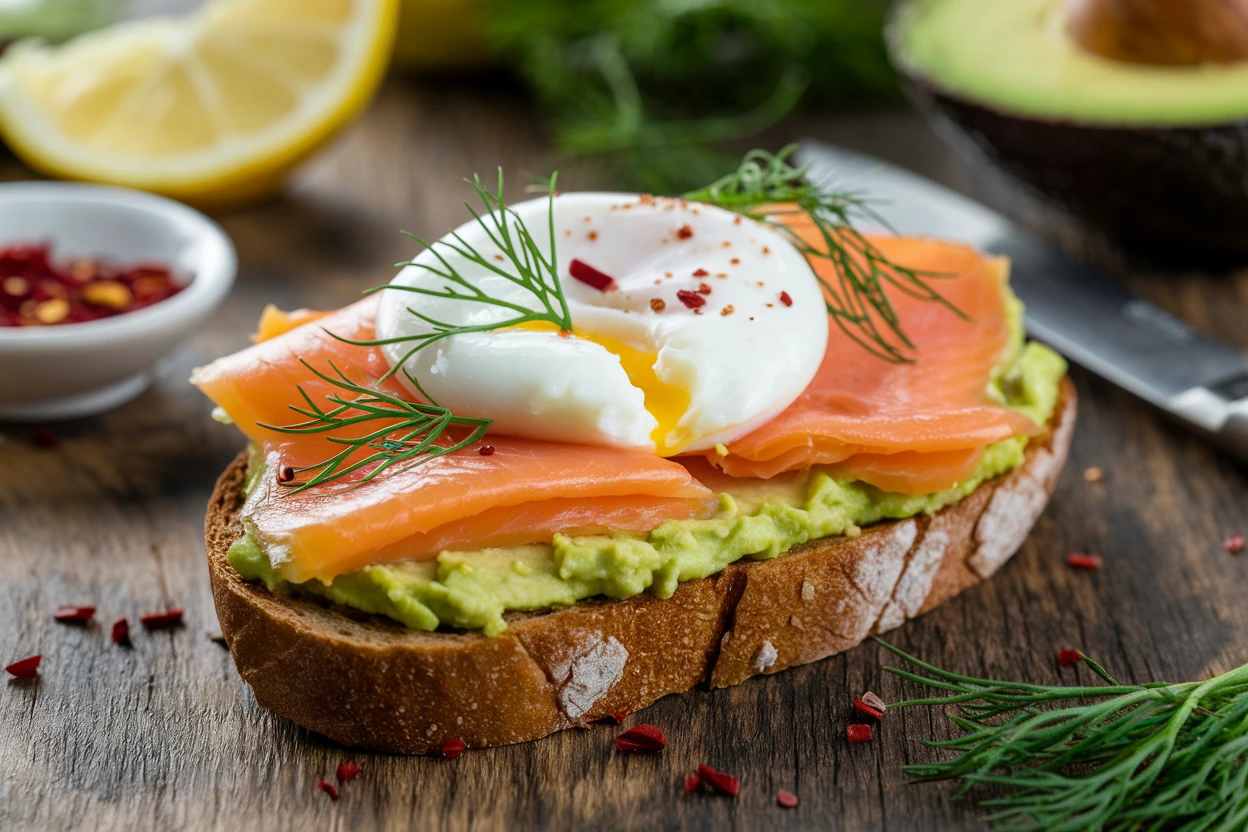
165 735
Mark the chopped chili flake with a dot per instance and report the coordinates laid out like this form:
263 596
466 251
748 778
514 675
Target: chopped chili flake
328 788
486 450
641 737
786 799
870 705
1093 474
121 632
874 701
727 243
657 304
785 299
162 620
44 438
348 771
727 310
704 289
74 615
736 220
593 235
1068 656
701 273
692 781
690 299
859 733
735 261
766 250
684 232
1082 561
590 276
1234 544
26 668
720 782
452 748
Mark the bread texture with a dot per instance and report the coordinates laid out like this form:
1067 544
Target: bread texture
366 681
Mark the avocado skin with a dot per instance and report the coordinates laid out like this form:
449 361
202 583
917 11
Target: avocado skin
1171 190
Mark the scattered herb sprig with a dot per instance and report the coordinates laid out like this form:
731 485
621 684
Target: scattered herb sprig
766 187
1122 758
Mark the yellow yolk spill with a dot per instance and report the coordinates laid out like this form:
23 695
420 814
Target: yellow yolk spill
667 403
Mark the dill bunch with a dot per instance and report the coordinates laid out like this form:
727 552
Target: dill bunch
1121 758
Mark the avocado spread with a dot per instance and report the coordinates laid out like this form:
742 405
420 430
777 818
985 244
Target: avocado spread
761 519
1018 56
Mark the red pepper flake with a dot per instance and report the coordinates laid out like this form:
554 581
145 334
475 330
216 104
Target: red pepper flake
726 311
641 737
348 771
486 450
590 276
162 620
657 304
1234 544
121 632
1069 656
692 781
859 733
1081 561
701 273
26 668
785 299
690 299
720 782
704 289
74 615
684 232
452 748
593 235
44 438
786 799
328 788
736 261
870 705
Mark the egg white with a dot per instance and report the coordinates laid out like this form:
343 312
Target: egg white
738 370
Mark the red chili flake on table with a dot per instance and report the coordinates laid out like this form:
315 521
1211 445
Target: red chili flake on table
701 273
786 799
657 304
74 615
486 450
452 748
162 620
1068 656
859 733
590 276
641 737
36 290
870 705
121 632
348 771
691 299
26 668
720 782
1234 544
704 289
328 788
1082 561
692 781
785 299
684 232
44 438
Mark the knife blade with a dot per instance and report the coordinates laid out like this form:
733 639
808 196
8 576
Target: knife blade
1084 314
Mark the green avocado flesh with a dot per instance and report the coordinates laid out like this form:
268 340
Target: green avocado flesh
760 519
1015 56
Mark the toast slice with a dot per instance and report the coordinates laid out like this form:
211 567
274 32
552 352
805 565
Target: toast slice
366 681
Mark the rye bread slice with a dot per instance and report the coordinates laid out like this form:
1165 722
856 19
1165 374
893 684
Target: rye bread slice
366 681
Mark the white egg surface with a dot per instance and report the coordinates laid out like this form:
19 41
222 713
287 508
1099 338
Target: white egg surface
711 326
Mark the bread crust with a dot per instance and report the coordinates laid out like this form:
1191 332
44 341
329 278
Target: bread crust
366 681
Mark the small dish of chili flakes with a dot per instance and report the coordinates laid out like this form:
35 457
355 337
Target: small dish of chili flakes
96 285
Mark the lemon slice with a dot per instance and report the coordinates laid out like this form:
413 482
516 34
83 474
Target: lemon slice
213 108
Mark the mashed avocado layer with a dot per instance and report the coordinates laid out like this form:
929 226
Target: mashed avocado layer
760 520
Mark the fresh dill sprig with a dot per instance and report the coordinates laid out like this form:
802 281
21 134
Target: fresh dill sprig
1121 758
522 264
395 430
765 187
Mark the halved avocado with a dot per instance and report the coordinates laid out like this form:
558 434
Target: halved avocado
1134 124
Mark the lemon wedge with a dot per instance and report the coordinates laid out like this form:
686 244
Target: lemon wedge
213 108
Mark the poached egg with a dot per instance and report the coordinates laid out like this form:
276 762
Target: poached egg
711 325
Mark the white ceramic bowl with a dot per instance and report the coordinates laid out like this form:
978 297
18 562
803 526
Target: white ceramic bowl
70 370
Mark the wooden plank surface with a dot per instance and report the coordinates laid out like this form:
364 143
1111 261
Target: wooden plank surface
165 735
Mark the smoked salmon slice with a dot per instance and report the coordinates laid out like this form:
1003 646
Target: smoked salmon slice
912 428
526 491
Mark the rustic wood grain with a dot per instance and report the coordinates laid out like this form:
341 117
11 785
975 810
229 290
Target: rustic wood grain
165 735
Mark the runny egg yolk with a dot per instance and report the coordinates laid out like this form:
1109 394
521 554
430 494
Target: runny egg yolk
666 402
